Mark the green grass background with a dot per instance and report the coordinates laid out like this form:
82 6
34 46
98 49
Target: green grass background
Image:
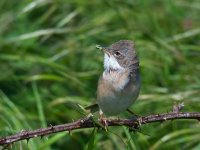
49 63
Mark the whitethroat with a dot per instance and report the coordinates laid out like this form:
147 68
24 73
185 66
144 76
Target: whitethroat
119 85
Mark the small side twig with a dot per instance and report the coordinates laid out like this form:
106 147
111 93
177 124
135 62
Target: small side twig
88 123
177 107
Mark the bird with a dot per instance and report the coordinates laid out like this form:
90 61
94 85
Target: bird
119 85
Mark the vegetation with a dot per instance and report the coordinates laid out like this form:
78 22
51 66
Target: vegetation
49 64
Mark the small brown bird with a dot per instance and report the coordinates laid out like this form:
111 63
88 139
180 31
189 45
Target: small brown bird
119 85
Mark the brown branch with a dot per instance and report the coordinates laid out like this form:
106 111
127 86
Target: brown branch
88 122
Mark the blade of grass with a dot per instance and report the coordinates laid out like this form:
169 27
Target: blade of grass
39 104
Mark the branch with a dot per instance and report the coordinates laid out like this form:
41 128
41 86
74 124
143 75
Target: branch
88 122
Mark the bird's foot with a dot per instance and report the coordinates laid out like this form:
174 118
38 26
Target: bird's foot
137 119
103 120
104 123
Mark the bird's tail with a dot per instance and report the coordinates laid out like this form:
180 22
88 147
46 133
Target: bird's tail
93 108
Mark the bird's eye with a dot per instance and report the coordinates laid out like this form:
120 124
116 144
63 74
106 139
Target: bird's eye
117 54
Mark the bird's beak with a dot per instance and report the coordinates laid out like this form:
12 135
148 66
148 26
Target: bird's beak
104 49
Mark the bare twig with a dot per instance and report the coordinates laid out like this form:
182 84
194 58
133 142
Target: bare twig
89 123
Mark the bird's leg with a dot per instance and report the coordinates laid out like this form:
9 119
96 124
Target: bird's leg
135 117
103 119
131 112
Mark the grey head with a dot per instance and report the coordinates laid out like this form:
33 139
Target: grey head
120 56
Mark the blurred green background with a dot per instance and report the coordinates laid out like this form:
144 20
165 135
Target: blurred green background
49 63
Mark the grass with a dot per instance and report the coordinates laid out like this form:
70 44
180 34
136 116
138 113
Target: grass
49 64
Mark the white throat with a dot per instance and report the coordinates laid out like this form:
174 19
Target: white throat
110 63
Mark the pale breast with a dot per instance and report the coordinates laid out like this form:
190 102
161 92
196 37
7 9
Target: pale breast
116 92
116 79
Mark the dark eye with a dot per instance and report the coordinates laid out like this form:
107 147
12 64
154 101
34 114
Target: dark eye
117 54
